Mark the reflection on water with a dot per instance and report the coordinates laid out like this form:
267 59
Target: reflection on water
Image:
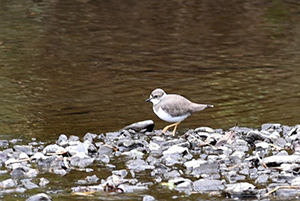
86 66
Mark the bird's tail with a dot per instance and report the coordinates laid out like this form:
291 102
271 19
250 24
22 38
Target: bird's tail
199 107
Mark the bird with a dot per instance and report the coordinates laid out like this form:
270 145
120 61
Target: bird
173 108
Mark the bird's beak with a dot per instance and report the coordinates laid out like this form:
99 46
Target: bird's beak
147 100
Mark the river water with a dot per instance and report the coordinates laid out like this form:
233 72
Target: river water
87 66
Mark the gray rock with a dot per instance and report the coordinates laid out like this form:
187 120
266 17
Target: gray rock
240 190
43 182
262 179
206 185
8 183
53 149
190 165
81 160
92 179
233 177
130 144
79 147
19 172
138 165
181 184
90 137
287 192
175 149
172 174
244 171
281 142
39 197
104 158
148 198
141 126
73 138
4 143
206 170
275 159
62 140
271 127
28 184
294 131
23 148
105 149
121 173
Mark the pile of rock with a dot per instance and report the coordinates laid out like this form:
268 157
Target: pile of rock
241 162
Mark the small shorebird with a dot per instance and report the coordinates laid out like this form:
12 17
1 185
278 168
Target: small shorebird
173 108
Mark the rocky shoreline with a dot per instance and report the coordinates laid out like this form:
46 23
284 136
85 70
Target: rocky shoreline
239 163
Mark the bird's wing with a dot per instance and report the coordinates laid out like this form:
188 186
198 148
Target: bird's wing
171 105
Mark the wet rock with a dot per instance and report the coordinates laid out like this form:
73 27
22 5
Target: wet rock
92 179
172 174
271 127
262 145
138 165
193 164
204 129
206 170
175 149
90 137
253 136
104 158
39 197
43 182
24 148
73 139
62 140
28 184
241 190
181 184
79 147
148 198
8 183
154 148
81 160
276 160
4 143
18 172
142 126
106 149
281 142
133 154
53 149
12 190
129 144
120 173
206 185
287 192
294 131
261 179
111 136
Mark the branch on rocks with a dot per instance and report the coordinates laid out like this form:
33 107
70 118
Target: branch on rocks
259 159
281 187
19 161
226 139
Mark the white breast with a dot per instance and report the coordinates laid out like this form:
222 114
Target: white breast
166 117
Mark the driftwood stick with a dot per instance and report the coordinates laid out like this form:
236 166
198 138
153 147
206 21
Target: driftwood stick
281 187
259 159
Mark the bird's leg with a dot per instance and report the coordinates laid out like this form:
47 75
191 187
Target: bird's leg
172 125
175 128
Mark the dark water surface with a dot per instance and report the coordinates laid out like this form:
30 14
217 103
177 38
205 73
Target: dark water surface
87 66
